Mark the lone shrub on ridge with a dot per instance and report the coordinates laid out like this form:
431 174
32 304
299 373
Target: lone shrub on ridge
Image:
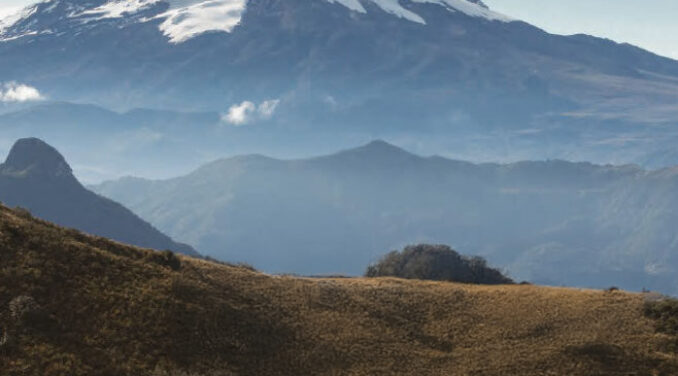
437 263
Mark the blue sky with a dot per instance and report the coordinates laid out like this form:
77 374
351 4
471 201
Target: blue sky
647 23
650 24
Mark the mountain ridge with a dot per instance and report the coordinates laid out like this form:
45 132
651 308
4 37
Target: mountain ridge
37 177
338 212
31 156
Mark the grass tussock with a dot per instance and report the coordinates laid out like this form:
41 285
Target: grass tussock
71 304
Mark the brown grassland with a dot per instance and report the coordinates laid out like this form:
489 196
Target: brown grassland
72 304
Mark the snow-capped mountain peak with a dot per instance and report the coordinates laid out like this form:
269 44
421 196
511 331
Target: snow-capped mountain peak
117 8
182 20
396 8
196 17
12 19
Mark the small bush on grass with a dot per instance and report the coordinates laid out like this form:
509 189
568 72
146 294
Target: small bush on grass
437 263
167 259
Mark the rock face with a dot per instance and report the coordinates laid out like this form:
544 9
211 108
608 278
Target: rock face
36 176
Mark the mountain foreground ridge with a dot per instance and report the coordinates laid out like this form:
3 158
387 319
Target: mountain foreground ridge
36 177
75 304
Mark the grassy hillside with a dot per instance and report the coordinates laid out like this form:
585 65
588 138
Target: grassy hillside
79 305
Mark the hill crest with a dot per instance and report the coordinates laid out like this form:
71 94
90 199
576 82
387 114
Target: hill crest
81 305
34 157
37 177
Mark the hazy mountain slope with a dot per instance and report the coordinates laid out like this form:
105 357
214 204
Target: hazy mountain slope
165 140
36 177
609 225
170 143
77 305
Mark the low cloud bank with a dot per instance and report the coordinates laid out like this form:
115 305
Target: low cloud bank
16 92
247 111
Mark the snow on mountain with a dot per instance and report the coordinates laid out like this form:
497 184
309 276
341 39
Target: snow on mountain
468 83
185 19
197 17
354 5
396 8
469 8
117 8
9 21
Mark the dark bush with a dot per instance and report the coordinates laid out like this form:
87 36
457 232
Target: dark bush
437 263
4 338
167 259
21 307
665 314
27 314
23 213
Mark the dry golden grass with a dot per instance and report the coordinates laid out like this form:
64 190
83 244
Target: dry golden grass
110 309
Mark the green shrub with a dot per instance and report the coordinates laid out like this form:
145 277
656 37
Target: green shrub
438 263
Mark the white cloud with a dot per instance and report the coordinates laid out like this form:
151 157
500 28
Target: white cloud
267 108
15 92
331 101
247 111
240 114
